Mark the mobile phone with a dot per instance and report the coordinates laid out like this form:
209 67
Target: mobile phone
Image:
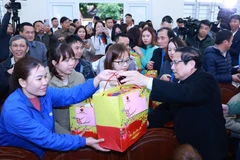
90 25
85 41
46 22
121 78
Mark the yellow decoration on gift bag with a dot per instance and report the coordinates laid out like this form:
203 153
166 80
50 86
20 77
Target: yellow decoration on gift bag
137 59
121 115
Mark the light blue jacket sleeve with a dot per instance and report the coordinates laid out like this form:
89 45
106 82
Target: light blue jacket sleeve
144 60
233 104
73 95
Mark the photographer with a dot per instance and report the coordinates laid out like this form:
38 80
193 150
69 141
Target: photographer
6 32
202 40
180 23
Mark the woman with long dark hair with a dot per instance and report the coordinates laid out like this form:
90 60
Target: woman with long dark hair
100 38
88 48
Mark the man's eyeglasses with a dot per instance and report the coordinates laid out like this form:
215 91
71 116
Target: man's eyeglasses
175 62
122 63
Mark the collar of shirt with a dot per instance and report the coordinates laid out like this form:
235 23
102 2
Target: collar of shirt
12 62
235 32
41 36
199 39
30 44
223 53
65 30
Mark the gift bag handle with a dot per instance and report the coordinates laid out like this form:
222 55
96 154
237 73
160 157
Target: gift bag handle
109 80
119 84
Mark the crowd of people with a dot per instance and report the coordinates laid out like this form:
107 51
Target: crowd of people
43 70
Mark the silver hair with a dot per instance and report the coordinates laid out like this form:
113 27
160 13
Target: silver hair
17 37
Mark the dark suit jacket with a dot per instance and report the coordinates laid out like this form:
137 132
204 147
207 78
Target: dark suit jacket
4 37
200 120
52 29
50 41
157 59
4 75
235 48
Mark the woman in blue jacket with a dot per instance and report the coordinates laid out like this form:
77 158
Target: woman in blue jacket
27 115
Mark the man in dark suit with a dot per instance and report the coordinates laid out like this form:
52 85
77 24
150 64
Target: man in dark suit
158 58
180 23
235 47
55 24
194 104
6 32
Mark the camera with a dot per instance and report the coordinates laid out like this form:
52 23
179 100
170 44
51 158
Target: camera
223 17
190 27
13 5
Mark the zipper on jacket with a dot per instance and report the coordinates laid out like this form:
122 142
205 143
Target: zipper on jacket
41 114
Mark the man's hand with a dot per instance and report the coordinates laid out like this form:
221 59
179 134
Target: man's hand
150 65
61 39
236 77
165 77
133 77
225 108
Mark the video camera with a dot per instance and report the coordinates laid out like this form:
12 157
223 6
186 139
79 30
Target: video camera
190 27
15 6
223 17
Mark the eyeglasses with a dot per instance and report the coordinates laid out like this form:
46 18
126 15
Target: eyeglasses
122 63
175 62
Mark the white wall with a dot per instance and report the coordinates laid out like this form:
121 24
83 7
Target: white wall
32 10
161 8
40 9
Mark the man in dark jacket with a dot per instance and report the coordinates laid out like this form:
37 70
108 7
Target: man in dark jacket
198 119
180 23
18 46
235 48
43 34
81 65
163 36
217 59
202 40
6 31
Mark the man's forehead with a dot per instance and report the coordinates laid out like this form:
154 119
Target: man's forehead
77 43
235 19
28 28
162 33
19 41
204 25
123 40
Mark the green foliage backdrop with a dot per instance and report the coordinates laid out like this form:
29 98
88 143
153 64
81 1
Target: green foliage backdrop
104 10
